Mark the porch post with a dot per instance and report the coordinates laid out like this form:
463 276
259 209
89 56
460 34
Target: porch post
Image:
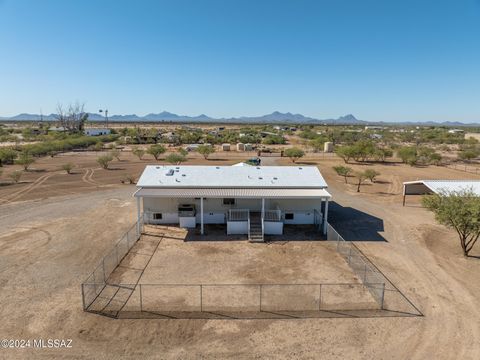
138 215
263 208
201 215
325 217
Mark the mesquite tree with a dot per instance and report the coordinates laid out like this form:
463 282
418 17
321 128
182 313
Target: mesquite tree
459 210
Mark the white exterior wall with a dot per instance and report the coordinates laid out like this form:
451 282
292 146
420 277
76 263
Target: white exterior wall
273 227
237 227
214 210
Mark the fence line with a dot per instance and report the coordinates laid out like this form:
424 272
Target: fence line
97 280
370 276
464 168
179 299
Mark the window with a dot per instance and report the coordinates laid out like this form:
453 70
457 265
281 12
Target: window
288 216
228 201
157 216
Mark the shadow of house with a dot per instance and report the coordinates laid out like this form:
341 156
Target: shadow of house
355 225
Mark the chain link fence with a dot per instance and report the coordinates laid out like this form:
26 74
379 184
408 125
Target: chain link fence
98 279
387 295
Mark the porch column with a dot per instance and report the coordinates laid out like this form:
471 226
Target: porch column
325 217
201 216
138 214
263 208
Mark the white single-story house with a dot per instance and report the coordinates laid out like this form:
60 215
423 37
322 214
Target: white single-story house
96 131
251 200
423 187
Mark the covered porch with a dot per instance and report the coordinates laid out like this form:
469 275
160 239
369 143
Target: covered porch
251 212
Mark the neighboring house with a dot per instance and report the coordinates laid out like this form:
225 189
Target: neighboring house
96 132
253 200
456 131
57 128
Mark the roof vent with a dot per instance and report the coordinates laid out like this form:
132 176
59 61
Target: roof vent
260 178
170 172
275 178
157 167
184 175
177 180
217 167
300 168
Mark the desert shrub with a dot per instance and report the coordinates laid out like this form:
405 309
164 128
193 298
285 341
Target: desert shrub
16 175
408 154
156 150
206 150
25 160
175 159
68 167
7 156
371 174
138 152
104 160
294 153
344 171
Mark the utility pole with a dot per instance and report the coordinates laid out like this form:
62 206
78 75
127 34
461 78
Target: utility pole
106 116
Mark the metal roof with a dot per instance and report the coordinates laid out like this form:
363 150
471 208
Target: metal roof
163 176
233 193
438 186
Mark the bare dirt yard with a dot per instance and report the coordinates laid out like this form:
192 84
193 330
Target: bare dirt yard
55 228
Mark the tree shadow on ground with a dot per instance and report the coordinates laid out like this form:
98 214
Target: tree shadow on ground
355 225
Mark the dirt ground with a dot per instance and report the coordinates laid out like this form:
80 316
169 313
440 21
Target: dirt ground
55 228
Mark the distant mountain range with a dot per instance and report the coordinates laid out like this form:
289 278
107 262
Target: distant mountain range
274 117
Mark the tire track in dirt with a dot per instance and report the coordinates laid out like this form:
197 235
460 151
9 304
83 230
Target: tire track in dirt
88 177
14 196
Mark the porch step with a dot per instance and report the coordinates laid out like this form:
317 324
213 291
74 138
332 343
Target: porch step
256 233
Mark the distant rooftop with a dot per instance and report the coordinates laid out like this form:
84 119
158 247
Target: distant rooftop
438 186
296 177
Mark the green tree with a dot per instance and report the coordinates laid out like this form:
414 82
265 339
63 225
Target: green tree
361 176
104 160
206 150
68 167
408 155
115 153
460 211
294 153
183 152
175 159
344 171
346 153
138 152
25 159
371 174
7 156
467 155
156 150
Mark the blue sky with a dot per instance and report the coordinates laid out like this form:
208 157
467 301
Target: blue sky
379 60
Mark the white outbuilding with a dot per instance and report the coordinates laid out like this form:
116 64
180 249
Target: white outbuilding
423 187
96 131
252 200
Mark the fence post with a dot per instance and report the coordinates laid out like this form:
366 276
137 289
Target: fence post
349 254
201 298
141 300
365 273
103 268
260 297
319 297
83 298
383 295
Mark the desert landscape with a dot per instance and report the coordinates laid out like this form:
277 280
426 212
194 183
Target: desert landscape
51 237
